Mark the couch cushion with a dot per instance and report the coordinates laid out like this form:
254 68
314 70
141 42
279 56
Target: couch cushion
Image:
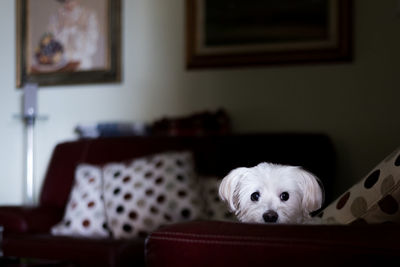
375 199
150 191
78 251
85 214
241 244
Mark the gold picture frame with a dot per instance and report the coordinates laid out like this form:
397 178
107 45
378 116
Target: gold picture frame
62 42
230 33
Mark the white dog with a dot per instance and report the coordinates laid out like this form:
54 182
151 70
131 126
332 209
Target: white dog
272 193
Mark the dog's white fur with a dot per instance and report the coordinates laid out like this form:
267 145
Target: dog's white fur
271 180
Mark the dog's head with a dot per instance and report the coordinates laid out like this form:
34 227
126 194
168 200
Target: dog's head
269 193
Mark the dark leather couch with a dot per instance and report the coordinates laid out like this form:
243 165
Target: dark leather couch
216 244
26 229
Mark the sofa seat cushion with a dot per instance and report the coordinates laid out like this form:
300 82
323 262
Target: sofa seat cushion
240 244
79 251
375 199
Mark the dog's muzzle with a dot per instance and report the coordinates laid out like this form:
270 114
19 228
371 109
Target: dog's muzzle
270 216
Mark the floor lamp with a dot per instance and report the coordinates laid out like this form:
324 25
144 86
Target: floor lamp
29 116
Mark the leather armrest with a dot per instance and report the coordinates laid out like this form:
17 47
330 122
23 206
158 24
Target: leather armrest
238 244
20 219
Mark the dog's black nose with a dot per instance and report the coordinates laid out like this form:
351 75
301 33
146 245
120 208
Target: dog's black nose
270 216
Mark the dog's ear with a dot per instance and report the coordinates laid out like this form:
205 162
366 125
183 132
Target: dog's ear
229 188
313 193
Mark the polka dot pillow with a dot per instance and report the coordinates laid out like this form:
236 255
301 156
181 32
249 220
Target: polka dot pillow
149 192
375 199
84 214
214 208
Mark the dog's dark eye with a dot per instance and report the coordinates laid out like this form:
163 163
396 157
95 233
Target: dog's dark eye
284 196
255 196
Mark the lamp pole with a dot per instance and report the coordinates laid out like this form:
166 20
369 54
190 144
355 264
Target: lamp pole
29 160
29 116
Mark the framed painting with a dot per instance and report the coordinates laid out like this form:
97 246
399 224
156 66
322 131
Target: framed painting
68 41
228 33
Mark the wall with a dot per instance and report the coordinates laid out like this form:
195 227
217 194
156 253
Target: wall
355 103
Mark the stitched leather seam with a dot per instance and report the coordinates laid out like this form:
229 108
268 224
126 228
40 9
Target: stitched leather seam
243 238
215 242
273 243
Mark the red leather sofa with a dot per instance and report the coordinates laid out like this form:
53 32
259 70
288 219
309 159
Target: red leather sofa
26 229
215 244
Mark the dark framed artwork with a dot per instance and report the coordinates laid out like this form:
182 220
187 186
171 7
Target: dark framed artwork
68 41
228 33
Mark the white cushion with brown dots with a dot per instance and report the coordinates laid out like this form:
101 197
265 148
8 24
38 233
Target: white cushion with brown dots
214 208
84 214
149 192
375 199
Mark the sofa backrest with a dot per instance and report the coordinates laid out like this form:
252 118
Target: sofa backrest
214 156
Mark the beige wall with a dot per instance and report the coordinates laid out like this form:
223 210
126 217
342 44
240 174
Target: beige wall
355 103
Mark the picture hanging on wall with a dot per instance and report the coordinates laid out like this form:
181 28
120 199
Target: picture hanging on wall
229 33
63 42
